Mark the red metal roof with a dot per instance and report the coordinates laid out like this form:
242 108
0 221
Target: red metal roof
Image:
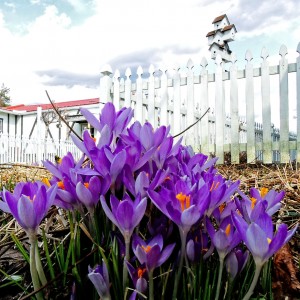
33 107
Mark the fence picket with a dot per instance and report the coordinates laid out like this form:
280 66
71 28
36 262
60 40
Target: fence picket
284 106
219 110
234 112
266 108
251 155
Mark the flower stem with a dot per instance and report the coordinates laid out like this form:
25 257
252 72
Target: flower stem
33 270
126 258
182 255
254 282
151 285
39 266
221 260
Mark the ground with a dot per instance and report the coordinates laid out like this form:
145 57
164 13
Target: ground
286 264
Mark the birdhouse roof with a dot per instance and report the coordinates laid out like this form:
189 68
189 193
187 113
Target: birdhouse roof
219 18
228 27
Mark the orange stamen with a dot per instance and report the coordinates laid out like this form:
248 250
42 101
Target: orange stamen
86 184
253 200
93 138
263 192
221 207
147 248
141 272
227 230
61 185
46 181
185 201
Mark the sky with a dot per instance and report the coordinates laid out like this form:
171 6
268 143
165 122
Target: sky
61 45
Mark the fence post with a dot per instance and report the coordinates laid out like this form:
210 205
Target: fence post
39 135
105 85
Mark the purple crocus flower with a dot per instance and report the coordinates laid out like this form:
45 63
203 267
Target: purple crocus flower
197 246
139 277
89 192
220 191
125 214
181 203
261 241
260 238
110 125
271 200
225 238
235 261
152 253
29 203
100 279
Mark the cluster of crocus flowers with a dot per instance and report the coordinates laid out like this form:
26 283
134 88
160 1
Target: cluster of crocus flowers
169 206
29 203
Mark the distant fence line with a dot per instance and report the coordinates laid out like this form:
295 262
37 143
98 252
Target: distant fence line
24 150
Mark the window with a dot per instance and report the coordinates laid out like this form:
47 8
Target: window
1 125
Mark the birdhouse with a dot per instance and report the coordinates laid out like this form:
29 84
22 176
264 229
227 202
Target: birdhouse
218 39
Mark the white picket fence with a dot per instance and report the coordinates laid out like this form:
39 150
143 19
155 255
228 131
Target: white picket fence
17 149
182 96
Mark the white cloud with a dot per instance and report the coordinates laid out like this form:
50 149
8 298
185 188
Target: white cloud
78 5
160 32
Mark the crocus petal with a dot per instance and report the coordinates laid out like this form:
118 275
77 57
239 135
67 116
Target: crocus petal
264 221
79 144
141 285
26 213
165 254
52 169
139 212
173 214
141 255
124 215
278 240
91 118
99 283
152 257
40 204
190 216
117 164
240 224
84 195
108 115
12 204
158 239
4 207
107 211
105 137
257 242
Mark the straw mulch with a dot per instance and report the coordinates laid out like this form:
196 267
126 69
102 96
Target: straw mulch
286 272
